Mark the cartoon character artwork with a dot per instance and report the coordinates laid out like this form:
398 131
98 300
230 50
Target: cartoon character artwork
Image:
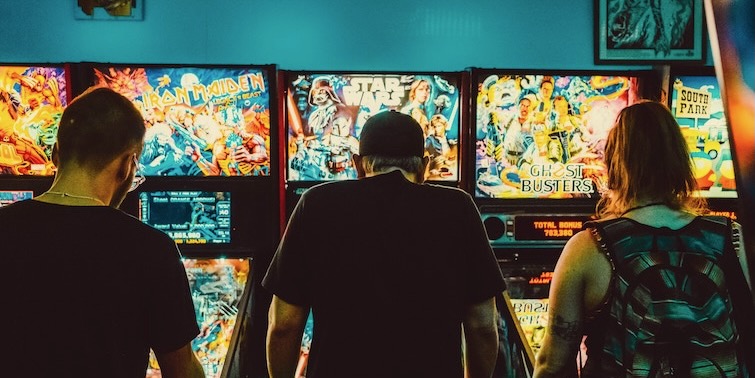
495 102
419 94
32 100
698 108
438 147
548 141
160 155
323 132
324 104
518 131
210 121
342 145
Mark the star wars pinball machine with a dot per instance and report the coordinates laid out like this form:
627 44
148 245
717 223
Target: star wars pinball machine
324 115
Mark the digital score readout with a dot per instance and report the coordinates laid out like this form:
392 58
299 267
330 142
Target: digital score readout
548 227
188 217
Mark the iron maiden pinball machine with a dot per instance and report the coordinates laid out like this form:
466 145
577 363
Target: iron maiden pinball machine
696 103
324 116
538 170
32 99
210 185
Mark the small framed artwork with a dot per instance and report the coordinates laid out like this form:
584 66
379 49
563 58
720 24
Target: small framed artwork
105 10
649 31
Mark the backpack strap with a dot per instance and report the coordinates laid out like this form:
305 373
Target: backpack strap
596 319
741 297
607 232
598 234
736 238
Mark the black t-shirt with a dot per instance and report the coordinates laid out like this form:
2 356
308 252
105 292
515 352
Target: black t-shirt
88 290
388 267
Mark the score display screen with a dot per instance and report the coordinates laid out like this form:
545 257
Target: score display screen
551 227
189 217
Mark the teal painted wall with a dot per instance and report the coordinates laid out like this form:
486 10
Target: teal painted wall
447 35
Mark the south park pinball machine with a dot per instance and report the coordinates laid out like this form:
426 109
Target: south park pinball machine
538 171
209 185
697 105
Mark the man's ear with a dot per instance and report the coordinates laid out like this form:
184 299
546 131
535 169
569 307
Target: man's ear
124 167
425 163
55 158
357 159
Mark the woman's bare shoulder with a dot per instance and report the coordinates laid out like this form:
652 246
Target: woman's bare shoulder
581 247
586 262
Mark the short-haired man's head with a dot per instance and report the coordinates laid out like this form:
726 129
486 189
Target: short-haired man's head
392 139
648 158
97 127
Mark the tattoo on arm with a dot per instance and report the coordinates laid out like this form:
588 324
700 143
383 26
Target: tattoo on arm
568 331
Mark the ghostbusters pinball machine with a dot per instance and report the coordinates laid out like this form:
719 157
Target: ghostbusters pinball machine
694 98
538 141
324 115
32 99
210 186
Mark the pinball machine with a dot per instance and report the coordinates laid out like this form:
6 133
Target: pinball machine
538 172
324 115
697 105
210 185
32 99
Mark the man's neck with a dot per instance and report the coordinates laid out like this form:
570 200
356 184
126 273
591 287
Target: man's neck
409 176
71 188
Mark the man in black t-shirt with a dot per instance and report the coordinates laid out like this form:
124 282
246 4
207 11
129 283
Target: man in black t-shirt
92 289
392 269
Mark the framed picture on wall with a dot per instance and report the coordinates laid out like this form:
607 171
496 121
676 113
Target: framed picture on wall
108 10
649 31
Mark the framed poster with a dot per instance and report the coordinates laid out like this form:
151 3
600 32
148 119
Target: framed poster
649 31
108 10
